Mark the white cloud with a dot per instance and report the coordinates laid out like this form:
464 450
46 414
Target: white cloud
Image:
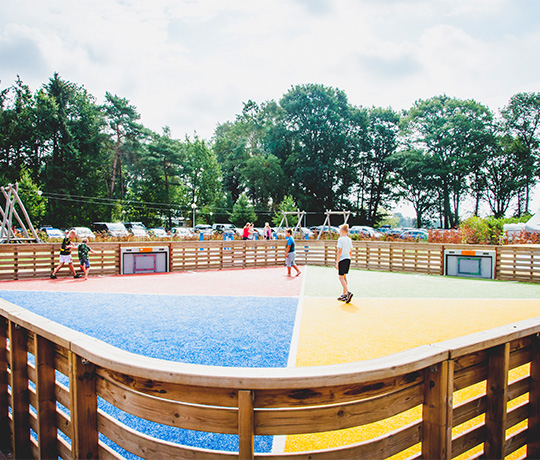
190 64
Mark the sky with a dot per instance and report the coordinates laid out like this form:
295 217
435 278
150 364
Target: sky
191 64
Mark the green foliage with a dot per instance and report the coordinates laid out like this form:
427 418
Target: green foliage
242 212
287 205
34 202
486 231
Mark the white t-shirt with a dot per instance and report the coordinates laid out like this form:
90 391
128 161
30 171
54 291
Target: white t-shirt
345 243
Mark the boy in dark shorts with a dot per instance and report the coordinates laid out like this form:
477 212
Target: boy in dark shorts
65 255
84 250
343 261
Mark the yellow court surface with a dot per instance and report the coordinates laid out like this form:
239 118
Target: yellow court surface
394 312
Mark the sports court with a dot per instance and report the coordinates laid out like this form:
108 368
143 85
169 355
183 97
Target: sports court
260 318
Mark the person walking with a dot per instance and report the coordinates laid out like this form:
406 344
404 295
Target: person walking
246 231
65 255
343 261
290 253
83 252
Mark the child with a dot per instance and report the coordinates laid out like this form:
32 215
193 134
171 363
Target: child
65 255
84 250
267 231
290 253
343 261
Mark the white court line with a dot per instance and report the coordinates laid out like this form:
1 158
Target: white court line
278 443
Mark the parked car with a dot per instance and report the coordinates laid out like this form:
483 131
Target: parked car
182 232
52 232
114 229
324 228
84 232
224 229
365 231
137 229
204 229
418 234
158 232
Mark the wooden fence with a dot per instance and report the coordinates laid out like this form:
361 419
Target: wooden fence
248 402
517 262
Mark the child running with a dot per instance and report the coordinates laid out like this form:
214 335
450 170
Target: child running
290 253
65 255
343 261
84 250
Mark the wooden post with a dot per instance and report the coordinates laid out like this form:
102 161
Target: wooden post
533 442
497 399
246 428
437 411
82 389
4 408
45 397
19 391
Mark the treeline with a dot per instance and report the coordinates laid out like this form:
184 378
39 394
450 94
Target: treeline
78 161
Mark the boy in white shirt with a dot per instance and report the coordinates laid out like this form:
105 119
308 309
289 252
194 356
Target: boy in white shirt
343 261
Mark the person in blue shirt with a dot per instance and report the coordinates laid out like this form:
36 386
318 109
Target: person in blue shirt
343 261
290 253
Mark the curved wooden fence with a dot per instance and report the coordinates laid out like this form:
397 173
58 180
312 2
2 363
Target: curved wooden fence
42 418
517 262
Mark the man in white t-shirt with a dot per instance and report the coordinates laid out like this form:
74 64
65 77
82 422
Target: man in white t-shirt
343 261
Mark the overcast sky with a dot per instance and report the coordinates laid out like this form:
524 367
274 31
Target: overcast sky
190 64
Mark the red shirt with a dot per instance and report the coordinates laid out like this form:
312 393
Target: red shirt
246 232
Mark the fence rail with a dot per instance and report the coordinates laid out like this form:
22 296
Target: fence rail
519 262
248 402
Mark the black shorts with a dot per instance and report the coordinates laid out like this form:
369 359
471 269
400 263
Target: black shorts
344 266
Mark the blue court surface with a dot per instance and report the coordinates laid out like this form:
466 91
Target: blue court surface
209 330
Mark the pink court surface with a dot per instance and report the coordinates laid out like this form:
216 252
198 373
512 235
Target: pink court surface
390 312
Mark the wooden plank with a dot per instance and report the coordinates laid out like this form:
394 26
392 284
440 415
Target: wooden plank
19 391
246 425
5 440
468 440
336 417
106 453
497 399
64 451
469 410
385 446
519 387
226 397
517 414
181 415
45 397
83 405
62 395
516 441
145 446
340 393
533 446
437 411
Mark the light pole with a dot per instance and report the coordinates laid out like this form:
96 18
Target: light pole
194 207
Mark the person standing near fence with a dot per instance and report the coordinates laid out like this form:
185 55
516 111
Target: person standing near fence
343 261
267 231
65 255
290 253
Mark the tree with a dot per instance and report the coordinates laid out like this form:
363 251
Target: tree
242 212
287 205
415 177
200 172
502 175
521 118
123 128
34 202
320 122
376 146
456 135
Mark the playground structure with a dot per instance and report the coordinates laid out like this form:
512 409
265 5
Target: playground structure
7 233
300 215
327 223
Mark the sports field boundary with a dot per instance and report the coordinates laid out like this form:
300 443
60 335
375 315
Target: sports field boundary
248 402
513 262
